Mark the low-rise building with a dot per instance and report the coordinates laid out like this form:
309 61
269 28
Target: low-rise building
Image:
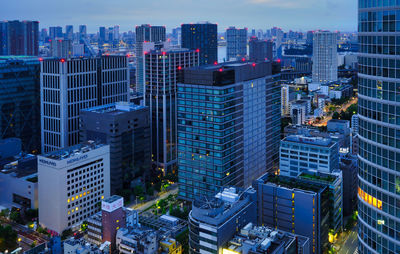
338 125
166 225
170 246
80 246
19 183
137 240
214 221
266 240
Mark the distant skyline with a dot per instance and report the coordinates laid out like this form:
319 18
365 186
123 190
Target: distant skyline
299 15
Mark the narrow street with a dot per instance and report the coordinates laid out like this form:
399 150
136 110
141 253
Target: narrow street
143 206
350 243
344 107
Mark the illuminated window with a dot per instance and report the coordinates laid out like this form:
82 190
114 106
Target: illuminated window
68 200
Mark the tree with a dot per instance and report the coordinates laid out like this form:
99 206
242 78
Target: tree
5 212
335 115
8 238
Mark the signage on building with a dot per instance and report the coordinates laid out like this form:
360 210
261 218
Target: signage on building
112 206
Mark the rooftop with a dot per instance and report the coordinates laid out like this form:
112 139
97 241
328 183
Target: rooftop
292 183
115 108
73 150
318 141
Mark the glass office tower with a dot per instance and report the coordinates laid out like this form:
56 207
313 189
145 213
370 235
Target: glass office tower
379 127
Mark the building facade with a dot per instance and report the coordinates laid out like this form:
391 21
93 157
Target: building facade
20 101
260 50
202 37
126 128
213 222
162 68
297 206
72 182
61 48
69 85
324 57
19 38
236 43
228 126
299 153
145 33
379 125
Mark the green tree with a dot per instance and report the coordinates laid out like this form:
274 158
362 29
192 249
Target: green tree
8 238
335 115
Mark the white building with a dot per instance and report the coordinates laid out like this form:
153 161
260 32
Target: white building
137 240
69 85
61 48
324 57
72 182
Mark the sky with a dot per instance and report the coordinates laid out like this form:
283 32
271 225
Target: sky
297 15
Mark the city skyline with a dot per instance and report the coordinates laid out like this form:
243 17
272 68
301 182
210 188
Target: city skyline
259 14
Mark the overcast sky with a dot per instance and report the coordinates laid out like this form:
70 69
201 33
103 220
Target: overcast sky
288 14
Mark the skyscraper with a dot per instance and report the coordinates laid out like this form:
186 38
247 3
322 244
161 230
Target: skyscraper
145 33
236 40
102 34
20 100
61 48
55 32
204 37
379 128
260 50
19 38
69 32
324 57
82 32
69 85
228 126
162 68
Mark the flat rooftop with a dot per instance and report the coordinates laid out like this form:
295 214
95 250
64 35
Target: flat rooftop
73 150
302 139
115 108
292 183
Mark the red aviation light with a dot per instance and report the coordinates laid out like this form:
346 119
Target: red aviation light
220 70
253 64
40 59
279 60
215 63
164 53
179 68
62 60
243 59
197 50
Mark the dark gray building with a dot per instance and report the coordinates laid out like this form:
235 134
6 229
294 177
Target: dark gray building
20 101
296 205
236 47
202 37
260 50
19 38
214 221
349 168
228 126
125 127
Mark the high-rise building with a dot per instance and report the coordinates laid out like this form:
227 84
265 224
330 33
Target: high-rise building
69 85
236 47
260 50
298 112
82 31
379 125
20 101
116 33
214 221
19 38
55 32
315 153
296 205
72 182
145 33
201 36
162 68
61 48
102 34
69 32
324 57
125 127
228 126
